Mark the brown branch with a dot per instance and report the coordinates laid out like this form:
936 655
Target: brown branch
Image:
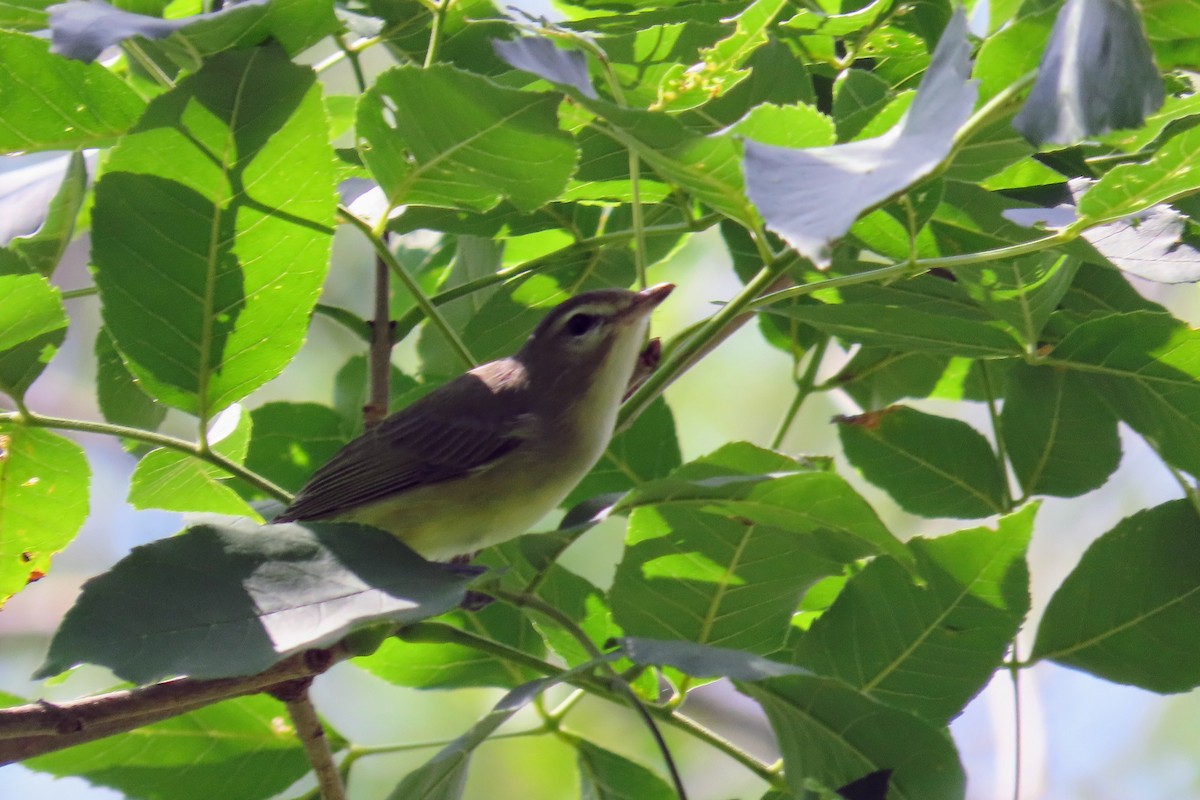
379 364
43 727
311 734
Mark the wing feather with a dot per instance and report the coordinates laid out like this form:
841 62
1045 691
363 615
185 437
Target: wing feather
463 426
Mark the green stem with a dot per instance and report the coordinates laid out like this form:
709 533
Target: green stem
439 633
639 231
346 318
804 388
360 751
26 417
435 32
715 740
355 62
997 105
567 624
555 715
1014 672
1189 488
681 357
87 291
905 268
148 63
427 308
998 432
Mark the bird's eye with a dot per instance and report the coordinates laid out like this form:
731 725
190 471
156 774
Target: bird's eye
580 324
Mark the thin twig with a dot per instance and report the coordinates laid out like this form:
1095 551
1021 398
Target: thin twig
379 392
423 302
568 625
804 387
1014 672
998 432
26 417
311 734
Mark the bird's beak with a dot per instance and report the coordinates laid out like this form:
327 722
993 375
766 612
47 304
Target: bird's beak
651 297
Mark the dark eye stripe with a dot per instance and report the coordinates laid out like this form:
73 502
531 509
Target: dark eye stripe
579 324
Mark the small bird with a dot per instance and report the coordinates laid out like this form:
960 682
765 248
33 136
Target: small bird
485 456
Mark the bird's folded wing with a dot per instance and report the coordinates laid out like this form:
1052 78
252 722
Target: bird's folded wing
436 439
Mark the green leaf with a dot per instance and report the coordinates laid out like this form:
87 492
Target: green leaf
1126 613
177 481
875 377
44 248
899 56
121 399
777 77
1061 439
902 327
300 24
1100 290
51 103
43 502
716 555
448 665
24 15
831 734
237 748
719 68
992 149
467 29
928 648
706 166
1013 51
712 580
32 326
1023 292
647 449
1172 172
932 466
839 24
858 97
232 599
225 218
291 440
485 144
1170 19
798 125
752 485
641 59
1144 364
604 775
444 776
31 307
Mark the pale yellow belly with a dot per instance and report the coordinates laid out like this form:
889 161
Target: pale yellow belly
465 515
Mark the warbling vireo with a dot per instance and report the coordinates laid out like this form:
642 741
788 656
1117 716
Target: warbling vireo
484 457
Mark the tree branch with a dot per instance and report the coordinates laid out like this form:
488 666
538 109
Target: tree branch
43 727
311 734
380 361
